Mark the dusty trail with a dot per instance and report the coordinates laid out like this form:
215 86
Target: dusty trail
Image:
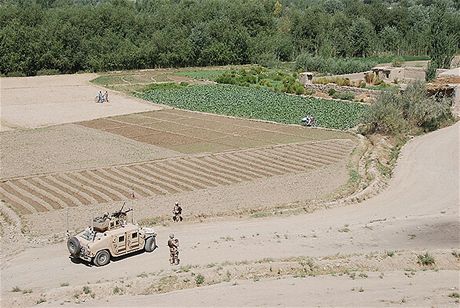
419 211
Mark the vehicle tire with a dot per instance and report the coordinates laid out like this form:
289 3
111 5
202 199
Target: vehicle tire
73 245
102 258
150 244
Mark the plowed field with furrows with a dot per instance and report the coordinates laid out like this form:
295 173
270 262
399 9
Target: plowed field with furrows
49 192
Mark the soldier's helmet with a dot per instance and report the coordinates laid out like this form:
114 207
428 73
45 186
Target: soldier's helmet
171 235
177 203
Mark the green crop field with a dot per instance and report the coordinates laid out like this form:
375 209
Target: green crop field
249 102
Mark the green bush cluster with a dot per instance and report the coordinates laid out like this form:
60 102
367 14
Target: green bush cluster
346 96
259 76
340 81
337 66
409 112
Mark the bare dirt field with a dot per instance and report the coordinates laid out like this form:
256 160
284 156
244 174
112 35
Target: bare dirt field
193 132
69 147
30 102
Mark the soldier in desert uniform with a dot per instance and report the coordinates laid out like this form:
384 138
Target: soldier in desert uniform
177 212
173 245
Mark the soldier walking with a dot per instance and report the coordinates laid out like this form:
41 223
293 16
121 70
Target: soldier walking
173 244
177 212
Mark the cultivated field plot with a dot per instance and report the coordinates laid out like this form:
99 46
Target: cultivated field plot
191 132
30 102
168 176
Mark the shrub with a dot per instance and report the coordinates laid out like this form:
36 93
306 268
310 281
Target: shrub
334 65
199 279
347 96
86 290
425 259
48 72
15 74
340 81
369 77
398 61
409 112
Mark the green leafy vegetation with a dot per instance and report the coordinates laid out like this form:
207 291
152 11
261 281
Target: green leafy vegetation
258 76
250 102
335 66
443 44
66 36
425 259
199 279
410 112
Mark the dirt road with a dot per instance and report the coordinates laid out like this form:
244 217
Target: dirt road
419 211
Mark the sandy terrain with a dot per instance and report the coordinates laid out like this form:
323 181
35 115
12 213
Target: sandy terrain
418 213
30 102
394 289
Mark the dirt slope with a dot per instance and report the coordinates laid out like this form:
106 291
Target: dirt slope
419 211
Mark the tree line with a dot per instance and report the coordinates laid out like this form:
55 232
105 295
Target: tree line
39 36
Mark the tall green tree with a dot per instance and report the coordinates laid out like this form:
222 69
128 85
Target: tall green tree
443 42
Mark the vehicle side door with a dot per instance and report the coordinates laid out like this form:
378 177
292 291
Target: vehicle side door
133 240
120 244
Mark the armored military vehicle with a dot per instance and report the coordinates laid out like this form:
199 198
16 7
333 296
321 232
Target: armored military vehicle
111 236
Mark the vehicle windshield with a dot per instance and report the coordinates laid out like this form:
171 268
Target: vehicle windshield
88 235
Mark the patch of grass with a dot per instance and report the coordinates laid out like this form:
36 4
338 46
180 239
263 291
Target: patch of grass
454 295
16 289
64 284
86 289
426 259
117 290
199 279
185 268
108 80
143 275
151 221
363 275
27 291
227 238
261 214
203 74
40 300
344 229
390 253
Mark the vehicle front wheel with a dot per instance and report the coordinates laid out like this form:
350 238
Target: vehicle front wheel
150 244
102 258
74 246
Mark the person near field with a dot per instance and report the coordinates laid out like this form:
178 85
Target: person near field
177 212
100 97
106 96
173 244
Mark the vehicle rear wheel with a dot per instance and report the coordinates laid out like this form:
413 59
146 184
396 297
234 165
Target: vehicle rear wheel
74 246
102 258
150 244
